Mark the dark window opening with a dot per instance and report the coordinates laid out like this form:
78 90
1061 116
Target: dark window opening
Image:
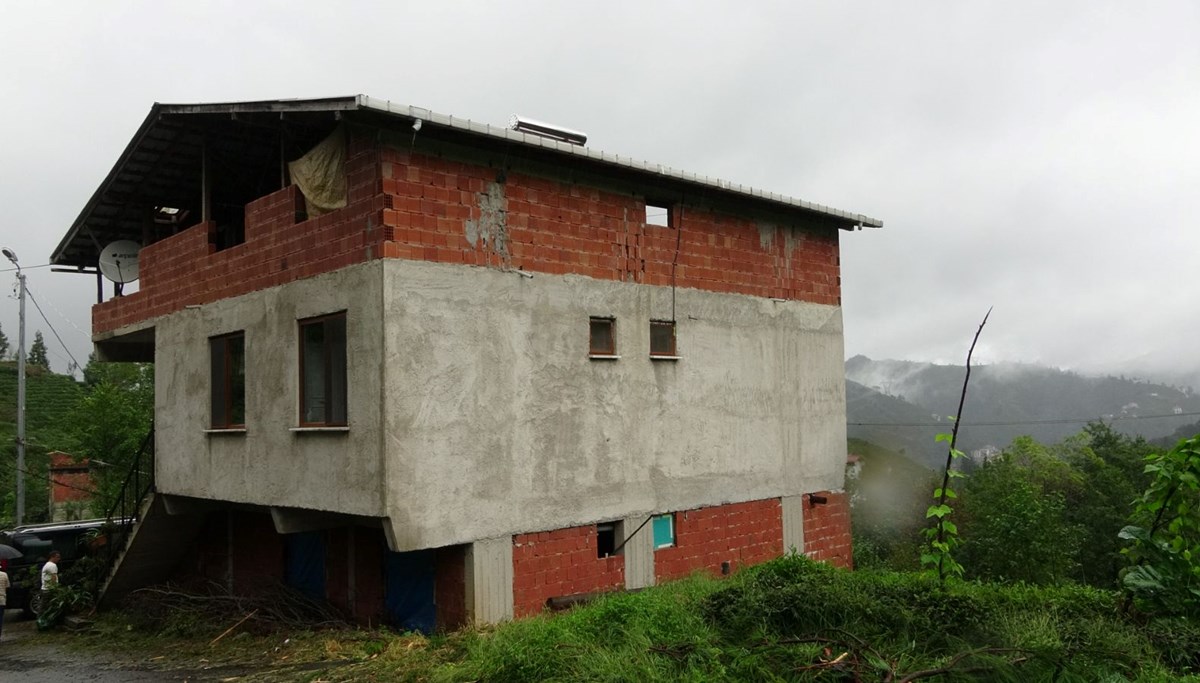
659 214
608 538
603 337
662 337
228 356
323 371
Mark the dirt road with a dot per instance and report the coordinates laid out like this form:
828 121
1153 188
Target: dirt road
26 657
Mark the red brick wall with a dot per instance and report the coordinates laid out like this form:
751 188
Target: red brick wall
560 227
827 530
739 533
337 568
417 207
69 480
450 587
552 564
258 552
369 546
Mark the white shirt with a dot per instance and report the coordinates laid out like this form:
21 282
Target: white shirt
3 590
49 575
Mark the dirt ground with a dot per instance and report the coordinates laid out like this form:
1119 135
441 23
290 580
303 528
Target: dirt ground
30 657
27 655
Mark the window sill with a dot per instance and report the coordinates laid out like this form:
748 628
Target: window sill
309 430
657 357
226 430
603 356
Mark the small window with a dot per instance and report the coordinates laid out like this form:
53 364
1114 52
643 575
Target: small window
323 371
664 531
662 337
659 214
608 538
603 337
228 363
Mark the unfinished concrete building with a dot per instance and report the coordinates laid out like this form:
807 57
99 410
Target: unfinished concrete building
439 372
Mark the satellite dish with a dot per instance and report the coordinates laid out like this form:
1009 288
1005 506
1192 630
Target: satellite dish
119 261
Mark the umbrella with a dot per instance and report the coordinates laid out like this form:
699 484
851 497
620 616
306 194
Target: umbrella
7 552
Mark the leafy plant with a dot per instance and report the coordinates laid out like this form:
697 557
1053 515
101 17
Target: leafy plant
942 537
1164 550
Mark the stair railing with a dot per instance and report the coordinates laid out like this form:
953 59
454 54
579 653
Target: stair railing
126 508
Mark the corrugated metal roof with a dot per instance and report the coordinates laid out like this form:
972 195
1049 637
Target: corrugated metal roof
159 157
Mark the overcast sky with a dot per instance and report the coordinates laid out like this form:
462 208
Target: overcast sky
1038 157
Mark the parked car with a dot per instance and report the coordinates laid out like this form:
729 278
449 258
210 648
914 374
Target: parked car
35 541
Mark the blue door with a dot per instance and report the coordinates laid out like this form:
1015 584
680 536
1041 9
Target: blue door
408 596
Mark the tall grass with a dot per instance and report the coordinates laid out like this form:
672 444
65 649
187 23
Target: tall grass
788 619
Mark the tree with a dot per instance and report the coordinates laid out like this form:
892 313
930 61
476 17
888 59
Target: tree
37 352
1015 522
3 344
111 422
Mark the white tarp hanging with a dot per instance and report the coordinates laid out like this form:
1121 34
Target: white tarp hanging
321 174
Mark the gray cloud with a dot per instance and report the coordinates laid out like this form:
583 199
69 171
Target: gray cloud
1039 158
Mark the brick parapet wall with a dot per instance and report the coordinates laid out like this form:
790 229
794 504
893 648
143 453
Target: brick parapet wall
184 269
827 529
559 563
740 533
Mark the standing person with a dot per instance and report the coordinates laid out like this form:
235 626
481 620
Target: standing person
50 571
3 593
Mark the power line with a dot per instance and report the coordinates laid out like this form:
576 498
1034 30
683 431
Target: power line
1003 423
13 270
47 320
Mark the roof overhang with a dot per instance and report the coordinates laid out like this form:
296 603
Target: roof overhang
161 164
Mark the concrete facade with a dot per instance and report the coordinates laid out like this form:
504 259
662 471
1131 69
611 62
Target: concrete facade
270 462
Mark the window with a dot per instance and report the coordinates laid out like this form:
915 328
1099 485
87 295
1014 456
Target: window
608 538
603 337
662 337
664 531
659 214
323 371
228 362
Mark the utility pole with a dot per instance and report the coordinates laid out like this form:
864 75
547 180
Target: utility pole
20 516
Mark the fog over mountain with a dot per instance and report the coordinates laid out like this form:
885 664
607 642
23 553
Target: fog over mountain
904 404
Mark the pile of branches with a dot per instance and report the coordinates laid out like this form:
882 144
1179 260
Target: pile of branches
272 606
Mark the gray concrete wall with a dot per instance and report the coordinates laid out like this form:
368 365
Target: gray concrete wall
270 464
496 422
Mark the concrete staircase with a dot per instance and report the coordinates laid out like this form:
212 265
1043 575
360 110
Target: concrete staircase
155 546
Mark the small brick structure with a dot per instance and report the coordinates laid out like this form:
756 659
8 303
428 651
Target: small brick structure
71 488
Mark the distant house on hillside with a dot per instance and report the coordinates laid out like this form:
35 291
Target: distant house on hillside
70 488
435 371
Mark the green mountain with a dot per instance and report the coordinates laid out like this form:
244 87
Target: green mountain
1004 401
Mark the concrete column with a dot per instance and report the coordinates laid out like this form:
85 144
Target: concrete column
793 524
490 581
639 553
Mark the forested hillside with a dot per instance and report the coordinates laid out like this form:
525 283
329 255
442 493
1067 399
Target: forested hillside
1016 399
